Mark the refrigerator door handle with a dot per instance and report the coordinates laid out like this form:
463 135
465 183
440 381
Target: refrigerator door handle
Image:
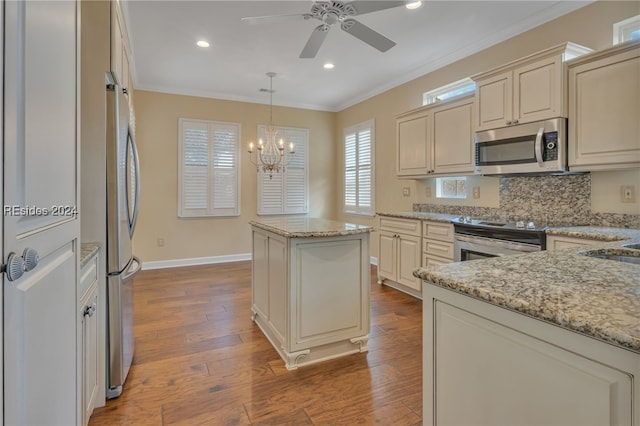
136 202
130 273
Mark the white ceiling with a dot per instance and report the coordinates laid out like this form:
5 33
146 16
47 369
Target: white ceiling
163 36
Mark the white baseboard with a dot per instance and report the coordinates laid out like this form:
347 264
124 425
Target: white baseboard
175 263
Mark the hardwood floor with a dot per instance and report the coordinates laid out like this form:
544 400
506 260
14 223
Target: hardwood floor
200 360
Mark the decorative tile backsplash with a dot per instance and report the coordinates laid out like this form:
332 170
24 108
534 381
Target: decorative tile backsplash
550 200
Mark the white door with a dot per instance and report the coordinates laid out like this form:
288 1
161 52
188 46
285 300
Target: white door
40 194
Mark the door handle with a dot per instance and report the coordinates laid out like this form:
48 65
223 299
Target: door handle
31 258
538 147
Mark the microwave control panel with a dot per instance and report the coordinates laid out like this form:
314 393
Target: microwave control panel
550 148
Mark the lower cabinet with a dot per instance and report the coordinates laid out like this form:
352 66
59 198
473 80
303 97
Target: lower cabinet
486 365
88 355
400 253
437 244
557 242
310 296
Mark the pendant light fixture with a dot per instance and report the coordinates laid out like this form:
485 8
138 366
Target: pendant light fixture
270 155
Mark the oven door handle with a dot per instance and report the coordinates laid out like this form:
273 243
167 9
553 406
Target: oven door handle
510 245
538 147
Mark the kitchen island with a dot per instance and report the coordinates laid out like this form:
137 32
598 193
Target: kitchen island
310 287
545 338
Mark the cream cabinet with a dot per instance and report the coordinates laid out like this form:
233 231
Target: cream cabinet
88 332
437 243
310 296
507 368
120 51
530 89
436 140
604 106
399 253
557 242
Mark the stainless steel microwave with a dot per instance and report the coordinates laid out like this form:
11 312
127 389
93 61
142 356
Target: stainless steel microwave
532 148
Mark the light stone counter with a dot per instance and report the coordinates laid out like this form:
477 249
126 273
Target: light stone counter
87 250
435 217
596 233
309 227
596 297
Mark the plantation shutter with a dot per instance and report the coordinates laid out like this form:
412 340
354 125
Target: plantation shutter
209 178
359 169
288 192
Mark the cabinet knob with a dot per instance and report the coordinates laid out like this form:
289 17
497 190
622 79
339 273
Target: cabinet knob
31 259
509 123
515 121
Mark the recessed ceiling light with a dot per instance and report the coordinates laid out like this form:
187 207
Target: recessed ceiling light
202 43
328 66
414 5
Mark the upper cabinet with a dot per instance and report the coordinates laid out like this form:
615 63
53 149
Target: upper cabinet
436 140
120 57
530 89
604 106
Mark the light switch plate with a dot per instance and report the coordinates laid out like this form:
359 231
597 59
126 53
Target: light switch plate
406 191
627 194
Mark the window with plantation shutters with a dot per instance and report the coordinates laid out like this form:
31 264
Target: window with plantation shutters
359 174
288 192
209 178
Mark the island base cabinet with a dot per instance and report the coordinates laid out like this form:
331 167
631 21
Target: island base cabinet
485 365
311 295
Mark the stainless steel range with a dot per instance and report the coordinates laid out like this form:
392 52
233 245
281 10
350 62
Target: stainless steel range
481 239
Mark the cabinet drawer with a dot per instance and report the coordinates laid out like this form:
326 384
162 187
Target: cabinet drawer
437 231
88 275
428 260
438 248
402 226
560 242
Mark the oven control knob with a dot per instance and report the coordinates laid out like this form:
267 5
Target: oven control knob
520 224
531 225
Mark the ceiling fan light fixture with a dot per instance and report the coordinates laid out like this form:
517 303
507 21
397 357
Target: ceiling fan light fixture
413 5
202 43
328 66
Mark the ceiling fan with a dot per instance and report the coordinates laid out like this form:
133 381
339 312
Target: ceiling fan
333 12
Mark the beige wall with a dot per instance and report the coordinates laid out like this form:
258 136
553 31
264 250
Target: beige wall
157 119
591 26
157 136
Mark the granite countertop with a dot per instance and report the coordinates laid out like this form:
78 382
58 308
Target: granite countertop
596 297
87 251
595 233
309 227
436 217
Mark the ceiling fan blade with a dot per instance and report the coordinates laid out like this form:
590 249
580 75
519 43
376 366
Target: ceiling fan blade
274 18
315 41
366 34
363 7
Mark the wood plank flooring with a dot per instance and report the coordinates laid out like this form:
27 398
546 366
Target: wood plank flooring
200 360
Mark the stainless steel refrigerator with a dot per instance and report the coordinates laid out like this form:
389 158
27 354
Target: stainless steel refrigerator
123 199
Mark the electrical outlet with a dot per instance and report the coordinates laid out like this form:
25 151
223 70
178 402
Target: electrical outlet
406 191
476 192
427 192
160 242
628 193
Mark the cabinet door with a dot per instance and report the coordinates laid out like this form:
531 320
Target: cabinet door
453 138
260 274
117 36
409 258
89 347
604 130
386 256
500 376
413 145
494 102
537 91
